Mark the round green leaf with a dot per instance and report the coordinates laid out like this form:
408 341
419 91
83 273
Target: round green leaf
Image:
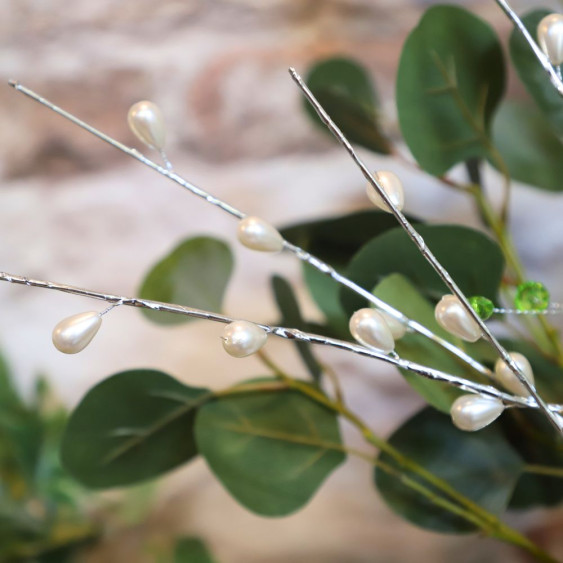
130 427
192 550
196 274
450 79
529 146
481 465
345 90
270 450
474 261
533 75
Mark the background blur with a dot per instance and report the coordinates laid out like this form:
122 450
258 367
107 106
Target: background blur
77 211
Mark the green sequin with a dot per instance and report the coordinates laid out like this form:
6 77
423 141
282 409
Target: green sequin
531 296
482 306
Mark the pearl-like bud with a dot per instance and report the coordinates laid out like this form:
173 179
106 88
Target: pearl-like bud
397 328
473 412
368 327
452 316
146 121
74 333
550 37
508 379
243 338
257 234
392 186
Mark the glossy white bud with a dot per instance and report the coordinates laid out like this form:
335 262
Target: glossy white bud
73 334
550 37
243 338
146 121
397 328
392 186
257 234
453 317
368 327
508 379
473 412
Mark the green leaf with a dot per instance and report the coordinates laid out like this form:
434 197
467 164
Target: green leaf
131 427
291 317
397 291
196 274
192 550
480 465
271 450
533 75
474 261
450 79
344 89
529 146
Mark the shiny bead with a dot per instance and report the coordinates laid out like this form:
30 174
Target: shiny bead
369 328
73 334
508 379
531 296
257 234
243 338
473 412
397 328
482 306
550 37
452 316
146 121
392 186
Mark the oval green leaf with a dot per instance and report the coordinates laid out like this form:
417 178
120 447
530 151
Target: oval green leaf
131 427
195 273
271 450
450 79
345 90
481 466
192 550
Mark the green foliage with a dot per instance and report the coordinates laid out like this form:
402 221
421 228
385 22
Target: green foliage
481 466
345 90
192 550
272 450
473 260
196 274
131 427
449 82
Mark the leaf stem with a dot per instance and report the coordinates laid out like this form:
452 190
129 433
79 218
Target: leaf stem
544 470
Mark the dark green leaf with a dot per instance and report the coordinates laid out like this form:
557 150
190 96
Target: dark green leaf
450 79
271 450
344 89
532 73
130 427
195 274
529 146
474 261
481 465
291 317
192 550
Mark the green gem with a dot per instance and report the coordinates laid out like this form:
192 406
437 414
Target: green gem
482 306
531 296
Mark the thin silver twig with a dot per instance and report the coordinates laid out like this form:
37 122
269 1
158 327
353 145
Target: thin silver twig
424 250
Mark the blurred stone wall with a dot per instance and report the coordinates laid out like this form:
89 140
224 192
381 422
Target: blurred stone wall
75 210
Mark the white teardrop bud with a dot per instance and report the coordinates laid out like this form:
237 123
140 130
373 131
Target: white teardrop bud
397 328
146 121
474 412
392 186
508 379
550 37
368 327
453 317
243 338
73 334
257 234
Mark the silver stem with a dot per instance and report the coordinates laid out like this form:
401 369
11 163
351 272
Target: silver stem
424 250
288 334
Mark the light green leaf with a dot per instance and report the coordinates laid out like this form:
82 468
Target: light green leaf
196 274
271 450
450 80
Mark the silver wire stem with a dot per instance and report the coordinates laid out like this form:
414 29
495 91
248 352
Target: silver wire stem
299 252
424 250
288 334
